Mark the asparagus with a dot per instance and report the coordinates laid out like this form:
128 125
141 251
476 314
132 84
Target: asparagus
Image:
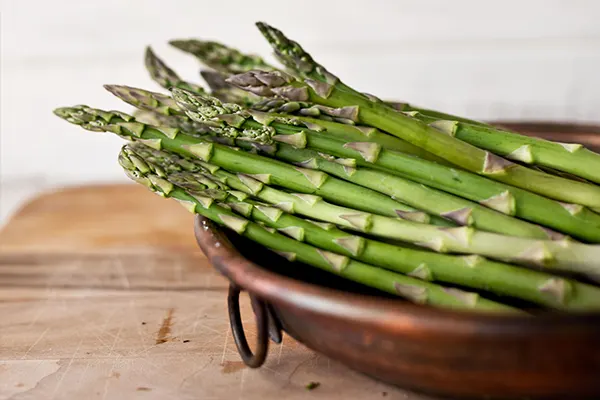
293 56
412 289
165 76
331 92
562 255
230 61
571 219
463 212
220 57
332 121
285 175
568 157
226 92
470 271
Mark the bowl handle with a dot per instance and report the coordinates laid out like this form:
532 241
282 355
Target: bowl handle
256 359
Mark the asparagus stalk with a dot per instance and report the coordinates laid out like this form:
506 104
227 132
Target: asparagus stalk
285 175
561 255
226 92
457 152
470 271
333 122
165 76
571 219
220 57
459 210
412 289
568 157
293 56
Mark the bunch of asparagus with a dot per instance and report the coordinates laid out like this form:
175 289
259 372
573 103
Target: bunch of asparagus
434 208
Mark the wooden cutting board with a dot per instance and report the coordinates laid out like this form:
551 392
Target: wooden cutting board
104 294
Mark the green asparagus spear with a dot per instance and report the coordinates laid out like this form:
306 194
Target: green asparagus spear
333 93
571 219
568 157
226 92
293 56
220 57
165 76
469 271
332 121
562 255
412 289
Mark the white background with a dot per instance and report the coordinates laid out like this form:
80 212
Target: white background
510 59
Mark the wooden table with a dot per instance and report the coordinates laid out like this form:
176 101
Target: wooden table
104 294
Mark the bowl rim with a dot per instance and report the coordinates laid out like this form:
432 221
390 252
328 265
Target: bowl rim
387 314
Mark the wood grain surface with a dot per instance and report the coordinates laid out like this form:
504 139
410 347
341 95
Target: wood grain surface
104 294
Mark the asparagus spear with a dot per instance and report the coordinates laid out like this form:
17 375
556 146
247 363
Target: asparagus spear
293 56
226 92
572 219
331 120
165 76
381 116
412 289
470 271
568 157
463 212
293 178
220 57
562 255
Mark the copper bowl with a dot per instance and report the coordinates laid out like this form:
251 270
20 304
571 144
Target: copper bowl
552 356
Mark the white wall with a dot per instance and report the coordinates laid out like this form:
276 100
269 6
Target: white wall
512 59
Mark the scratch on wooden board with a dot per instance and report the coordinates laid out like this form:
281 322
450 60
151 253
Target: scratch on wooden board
232 366
165 329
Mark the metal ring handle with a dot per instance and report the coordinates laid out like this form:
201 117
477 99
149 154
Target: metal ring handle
256 359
